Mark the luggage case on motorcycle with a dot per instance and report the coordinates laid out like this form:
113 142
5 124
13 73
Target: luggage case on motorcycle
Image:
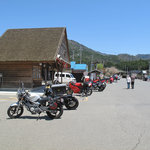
58 89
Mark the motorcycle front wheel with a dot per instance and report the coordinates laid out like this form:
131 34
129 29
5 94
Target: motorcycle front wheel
71 103
14 112
56 113
101 89
88 92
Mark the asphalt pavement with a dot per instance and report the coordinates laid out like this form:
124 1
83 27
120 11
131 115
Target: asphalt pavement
115 119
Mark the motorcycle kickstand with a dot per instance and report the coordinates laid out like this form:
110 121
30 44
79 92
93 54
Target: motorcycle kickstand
38 117
82 94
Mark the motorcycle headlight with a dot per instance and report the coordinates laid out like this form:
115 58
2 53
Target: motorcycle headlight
90 84
62 100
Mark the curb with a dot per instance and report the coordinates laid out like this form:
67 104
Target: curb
14 93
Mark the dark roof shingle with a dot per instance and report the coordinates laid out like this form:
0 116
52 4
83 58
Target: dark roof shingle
36 44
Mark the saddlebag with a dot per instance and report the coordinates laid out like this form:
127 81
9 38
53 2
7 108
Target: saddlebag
58 89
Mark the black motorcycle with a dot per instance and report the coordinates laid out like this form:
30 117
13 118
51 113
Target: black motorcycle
100 86
35 104
68 100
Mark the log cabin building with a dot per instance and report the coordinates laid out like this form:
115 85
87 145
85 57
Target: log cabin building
32 55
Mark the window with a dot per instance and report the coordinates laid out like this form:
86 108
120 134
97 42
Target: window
36 72
57 75
62 75
71 76
67 75
1 78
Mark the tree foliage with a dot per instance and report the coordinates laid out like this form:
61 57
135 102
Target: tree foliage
89 56
133 65
100 66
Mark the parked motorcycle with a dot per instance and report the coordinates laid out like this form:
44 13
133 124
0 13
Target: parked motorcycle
69 101
111 79
102 86
35 104
99 85
85 89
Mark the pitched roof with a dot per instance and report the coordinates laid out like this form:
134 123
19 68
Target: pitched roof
35 44
95 71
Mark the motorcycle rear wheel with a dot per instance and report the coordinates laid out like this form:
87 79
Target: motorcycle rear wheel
14 113
71 103
55 114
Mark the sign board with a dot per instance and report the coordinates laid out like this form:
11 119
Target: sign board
144 72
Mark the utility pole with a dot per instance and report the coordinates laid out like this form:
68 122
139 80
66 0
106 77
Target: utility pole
91 63
80 55
127 70
73 55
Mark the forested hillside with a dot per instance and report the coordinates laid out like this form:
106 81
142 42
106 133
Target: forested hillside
121 61
89 56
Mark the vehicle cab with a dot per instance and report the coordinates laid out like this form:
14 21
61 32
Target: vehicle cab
66 77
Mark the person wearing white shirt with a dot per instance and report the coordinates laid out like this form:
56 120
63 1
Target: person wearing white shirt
128 81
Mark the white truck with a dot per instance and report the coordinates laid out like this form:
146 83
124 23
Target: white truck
66 77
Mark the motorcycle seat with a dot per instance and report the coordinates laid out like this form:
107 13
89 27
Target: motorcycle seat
78 84
95 81
44 99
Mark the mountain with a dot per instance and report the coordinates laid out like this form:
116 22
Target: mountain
143 56
127 57
91 56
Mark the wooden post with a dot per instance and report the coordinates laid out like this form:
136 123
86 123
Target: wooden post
52 73
45 72
61 67
57 67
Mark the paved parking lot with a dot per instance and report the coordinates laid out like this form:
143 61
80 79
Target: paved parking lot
115 119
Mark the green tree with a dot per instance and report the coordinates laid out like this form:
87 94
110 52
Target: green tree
100 66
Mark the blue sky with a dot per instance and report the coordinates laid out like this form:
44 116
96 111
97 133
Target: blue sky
108 26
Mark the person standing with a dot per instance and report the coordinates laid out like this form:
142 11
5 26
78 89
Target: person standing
128 81
132 81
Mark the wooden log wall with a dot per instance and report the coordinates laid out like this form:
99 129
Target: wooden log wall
13 73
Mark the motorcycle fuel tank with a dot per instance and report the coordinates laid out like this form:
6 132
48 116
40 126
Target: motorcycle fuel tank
34 97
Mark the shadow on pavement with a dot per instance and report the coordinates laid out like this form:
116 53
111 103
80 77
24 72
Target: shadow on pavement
69 109
34 117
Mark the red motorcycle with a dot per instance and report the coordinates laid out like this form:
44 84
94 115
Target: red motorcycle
111 79
99 84
85 89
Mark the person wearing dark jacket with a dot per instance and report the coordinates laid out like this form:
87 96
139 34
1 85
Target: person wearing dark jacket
132 81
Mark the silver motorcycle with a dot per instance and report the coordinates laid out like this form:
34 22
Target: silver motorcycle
36 105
